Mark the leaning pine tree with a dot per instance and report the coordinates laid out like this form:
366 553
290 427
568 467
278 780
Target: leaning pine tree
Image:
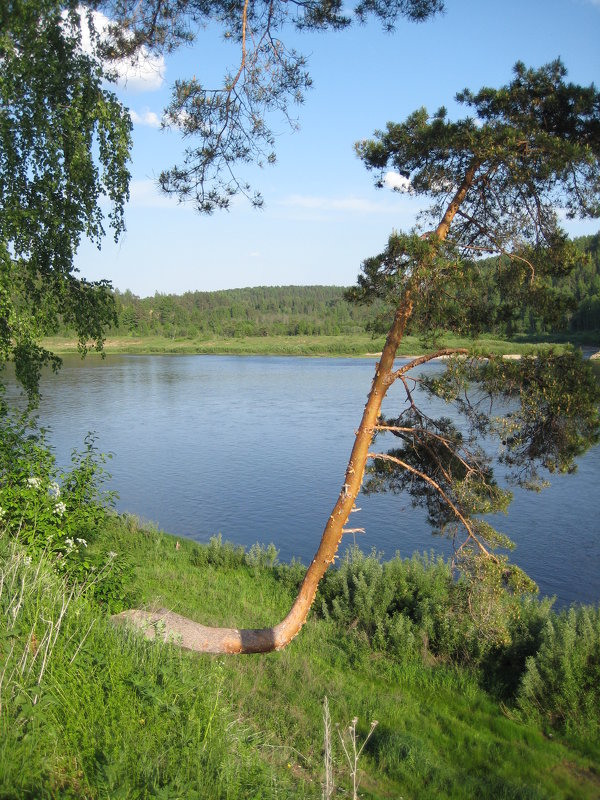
496 180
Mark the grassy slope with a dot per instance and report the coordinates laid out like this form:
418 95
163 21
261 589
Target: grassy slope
117 717
439 734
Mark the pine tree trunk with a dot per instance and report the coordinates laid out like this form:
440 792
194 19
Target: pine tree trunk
193 636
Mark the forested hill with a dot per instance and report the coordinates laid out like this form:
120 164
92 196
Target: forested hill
260 311
320 310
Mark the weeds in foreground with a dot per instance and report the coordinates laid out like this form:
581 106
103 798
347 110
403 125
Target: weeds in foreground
351 748
87 710
116 715
328 781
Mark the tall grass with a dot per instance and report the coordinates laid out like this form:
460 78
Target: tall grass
89 710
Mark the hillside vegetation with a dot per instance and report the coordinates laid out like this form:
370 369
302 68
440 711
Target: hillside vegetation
94 711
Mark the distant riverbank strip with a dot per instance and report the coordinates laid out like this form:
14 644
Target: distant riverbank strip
353 346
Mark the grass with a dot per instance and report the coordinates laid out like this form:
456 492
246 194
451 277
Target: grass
115 716
343 345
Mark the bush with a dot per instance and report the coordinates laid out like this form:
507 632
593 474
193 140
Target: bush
417 609
58 513
405 607
261 557
561 684
503 666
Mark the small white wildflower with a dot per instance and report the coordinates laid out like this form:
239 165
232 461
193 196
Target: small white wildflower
70 543
60 509
54 490
35 483
82 541
111 554
27 559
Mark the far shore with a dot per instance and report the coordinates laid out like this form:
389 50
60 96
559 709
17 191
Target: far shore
348 346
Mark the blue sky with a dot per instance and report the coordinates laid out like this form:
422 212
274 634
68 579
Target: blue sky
322 214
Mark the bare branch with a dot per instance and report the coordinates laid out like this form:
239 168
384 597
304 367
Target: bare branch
441 492
416 362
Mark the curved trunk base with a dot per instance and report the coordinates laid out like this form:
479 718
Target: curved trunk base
172 628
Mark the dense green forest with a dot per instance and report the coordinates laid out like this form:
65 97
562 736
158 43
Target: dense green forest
585 286
324 311
578 293
260 311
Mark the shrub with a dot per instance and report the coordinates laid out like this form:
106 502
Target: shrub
561 684
224 555
46 510
262 557
415 608
58 513
503 667
400 605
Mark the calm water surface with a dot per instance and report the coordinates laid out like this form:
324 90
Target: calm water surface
255 448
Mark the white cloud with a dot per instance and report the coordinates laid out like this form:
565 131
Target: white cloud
399 211
145 72
147 118
393 180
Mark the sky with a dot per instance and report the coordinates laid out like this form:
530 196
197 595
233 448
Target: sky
322 214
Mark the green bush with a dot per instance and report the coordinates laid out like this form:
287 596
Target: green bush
261 557
413 608
58 513
561 684
503 667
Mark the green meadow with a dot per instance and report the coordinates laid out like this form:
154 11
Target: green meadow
353 345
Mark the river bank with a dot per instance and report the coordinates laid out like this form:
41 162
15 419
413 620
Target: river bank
353 346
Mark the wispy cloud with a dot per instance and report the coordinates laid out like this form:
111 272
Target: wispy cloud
353 204
147 118
146 194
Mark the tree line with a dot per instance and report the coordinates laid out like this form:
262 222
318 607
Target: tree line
326 311
577 297
259 311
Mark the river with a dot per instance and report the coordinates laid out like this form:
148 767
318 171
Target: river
255 448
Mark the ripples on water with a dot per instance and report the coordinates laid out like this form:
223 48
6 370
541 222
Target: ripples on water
255 448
